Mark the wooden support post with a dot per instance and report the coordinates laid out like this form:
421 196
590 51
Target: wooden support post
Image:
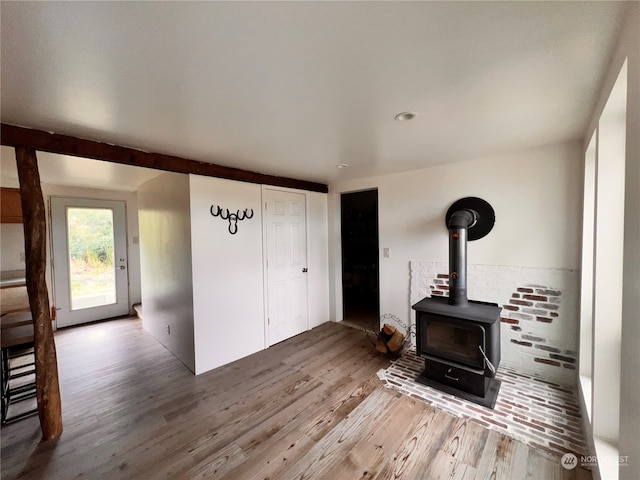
34 221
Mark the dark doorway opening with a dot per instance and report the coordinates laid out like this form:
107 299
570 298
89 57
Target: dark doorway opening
360 258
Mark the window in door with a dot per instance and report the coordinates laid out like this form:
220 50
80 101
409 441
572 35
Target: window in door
90 259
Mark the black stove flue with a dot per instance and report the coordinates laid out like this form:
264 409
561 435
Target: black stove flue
458 225
460 338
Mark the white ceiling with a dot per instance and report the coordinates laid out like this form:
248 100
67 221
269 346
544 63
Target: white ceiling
294 88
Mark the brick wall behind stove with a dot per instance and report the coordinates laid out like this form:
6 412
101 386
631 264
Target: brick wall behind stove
539 318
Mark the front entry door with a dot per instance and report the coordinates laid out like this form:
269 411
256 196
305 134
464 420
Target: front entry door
286 243
90 259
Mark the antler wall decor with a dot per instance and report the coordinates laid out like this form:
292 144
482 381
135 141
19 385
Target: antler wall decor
233 218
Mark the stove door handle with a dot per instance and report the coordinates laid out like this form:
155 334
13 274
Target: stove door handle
450 378
489 364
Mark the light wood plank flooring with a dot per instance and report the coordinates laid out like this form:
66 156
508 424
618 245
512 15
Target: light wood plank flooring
311 407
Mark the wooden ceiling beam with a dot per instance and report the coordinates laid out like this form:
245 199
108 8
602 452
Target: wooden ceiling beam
14 136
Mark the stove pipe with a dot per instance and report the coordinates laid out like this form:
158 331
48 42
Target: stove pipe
458 224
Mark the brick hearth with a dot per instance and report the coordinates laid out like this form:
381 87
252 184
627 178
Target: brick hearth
540 413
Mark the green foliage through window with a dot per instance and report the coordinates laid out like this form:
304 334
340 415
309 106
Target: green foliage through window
90 233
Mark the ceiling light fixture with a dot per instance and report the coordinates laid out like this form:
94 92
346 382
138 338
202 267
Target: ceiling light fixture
342 165
406 116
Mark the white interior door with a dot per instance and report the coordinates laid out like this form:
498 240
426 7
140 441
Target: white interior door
89 259
286 245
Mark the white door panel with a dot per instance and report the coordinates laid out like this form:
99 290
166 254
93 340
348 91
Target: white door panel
286 246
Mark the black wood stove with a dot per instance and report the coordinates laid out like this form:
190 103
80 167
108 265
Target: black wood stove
460 338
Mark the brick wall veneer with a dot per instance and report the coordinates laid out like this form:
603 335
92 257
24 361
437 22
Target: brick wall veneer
539 318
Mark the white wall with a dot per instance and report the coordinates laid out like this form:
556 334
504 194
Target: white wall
629 430
133 248
317 258
227 272
630 361
228 275
11 246
536 196
165 257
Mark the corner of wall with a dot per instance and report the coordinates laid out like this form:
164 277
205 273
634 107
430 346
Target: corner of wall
165 257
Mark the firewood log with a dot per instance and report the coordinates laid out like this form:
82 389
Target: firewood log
388 329
381 346
387 332
396 342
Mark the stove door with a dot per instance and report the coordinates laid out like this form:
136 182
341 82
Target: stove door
452 339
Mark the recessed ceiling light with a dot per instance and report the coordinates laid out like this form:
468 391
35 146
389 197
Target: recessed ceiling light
405 116
342 165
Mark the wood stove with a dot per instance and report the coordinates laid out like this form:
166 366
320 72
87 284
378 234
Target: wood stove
460 338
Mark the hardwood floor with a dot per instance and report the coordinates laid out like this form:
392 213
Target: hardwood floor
310 407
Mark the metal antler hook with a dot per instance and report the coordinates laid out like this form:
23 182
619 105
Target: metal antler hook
233 218
245 214
233 223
